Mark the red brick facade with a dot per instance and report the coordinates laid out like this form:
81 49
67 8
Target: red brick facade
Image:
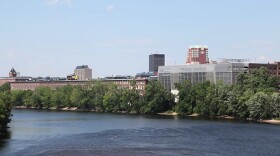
273 68
198 54
32 85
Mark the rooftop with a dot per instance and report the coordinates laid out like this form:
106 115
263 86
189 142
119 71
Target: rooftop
198 46
82 67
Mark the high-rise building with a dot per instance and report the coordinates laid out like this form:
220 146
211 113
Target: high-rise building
83 72
156 60
198 54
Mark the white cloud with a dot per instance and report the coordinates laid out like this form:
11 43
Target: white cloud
110 7
56 2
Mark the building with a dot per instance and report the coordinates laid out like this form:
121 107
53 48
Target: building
144 75
198 54
273 68
83 72
12 73
140 84
195 73
72 77
156 60
119 77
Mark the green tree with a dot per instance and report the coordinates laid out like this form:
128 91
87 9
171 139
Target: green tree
57 97
27 99
5 87
184 105
76 97
259 106
96 94
5 107
41 97
275 102
111 99
157 99
17 97
5 116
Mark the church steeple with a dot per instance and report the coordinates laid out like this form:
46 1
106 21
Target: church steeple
13 73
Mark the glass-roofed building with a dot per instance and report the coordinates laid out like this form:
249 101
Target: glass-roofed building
195 73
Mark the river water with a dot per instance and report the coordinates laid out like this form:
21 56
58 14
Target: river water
35 132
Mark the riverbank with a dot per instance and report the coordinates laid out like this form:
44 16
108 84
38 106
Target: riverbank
271 121
169 113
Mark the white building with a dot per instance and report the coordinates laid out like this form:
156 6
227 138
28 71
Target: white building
195 73
83 72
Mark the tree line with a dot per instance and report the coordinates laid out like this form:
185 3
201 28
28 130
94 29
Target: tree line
97 96
255 96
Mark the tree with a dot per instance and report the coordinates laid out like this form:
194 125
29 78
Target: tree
5 108
76 97
275 102
96 94
57 99
5 116
184 105
157 99
5 87
41 97
111 99
17 97
259 106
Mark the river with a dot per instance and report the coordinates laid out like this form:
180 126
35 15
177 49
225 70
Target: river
35 132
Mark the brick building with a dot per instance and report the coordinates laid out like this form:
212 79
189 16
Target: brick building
198 54
273 68
32 85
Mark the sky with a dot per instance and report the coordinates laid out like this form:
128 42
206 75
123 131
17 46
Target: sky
116 37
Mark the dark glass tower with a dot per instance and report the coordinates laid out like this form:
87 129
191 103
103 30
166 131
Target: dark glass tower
156 60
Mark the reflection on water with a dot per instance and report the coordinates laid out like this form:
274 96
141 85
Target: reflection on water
83 133
4 139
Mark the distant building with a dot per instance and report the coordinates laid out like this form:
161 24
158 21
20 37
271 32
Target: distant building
140 84
273 68
196 73
198 54
12 73
144 75
83 72
156 60
119 77
72 77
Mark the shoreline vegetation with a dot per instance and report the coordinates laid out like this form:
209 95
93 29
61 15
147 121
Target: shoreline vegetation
254 96
168 113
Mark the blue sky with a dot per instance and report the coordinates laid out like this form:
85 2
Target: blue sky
115 37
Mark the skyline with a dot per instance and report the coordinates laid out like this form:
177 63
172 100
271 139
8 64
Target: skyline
52 37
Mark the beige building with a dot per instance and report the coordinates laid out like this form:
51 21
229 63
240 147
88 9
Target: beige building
83 72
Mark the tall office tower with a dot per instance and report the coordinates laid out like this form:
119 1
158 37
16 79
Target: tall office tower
156 60
83 72
198 54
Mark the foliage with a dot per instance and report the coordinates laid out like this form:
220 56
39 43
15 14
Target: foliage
98 96
5 107
254 96
157 99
